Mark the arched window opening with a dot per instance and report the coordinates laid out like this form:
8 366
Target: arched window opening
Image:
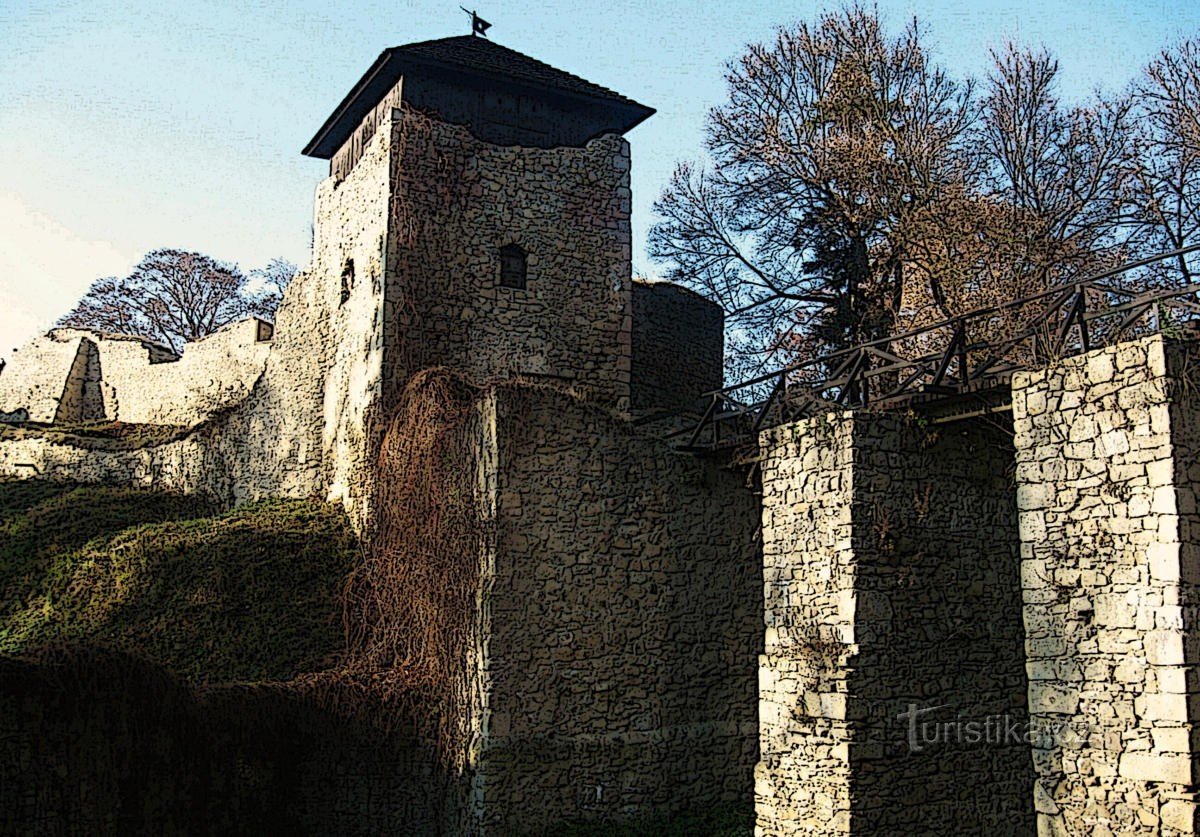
512 267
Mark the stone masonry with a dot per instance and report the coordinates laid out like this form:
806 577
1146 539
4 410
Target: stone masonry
456 201
622 609
617 625
45 381
139 386
1106 447
677 348
76 375
893 653
984 626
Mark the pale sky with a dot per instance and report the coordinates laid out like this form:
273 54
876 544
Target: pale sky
130 125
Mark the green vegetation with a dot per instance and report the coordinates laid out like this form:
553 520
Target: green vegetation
107 435
247 595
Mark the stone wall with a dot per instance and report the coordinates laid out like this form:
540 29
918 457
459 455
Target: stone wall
215 459
456 201
621 609
404 277
298 431
803 775
678 348
349 254
46 378
893 659
213 373
76 375
1106 456
291 417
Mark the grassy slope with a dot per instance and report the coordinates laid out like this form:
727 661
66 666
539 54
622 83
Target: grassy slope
245 595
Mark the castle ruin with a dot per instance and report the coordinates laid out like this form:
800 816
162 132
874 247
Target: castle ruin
891 626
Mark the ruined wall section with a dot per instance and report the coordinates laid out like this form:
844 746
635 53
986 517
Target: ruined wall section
76 375
678 348
295 418
894 662
271 443
1106 446
213 373
45 378
82 395
456 202
623 610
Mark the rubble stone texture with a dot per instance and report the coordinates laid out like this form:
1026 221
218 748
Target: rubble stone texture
1107 468
622 616
618 621
76 375
948 645
44 382
455 202
677 348
893 630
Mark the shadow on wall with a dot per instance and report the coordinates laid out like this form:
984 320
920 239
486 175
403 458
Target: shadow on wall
942 673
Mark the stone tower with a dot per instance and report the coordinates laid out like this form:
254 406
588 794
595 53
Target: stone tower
477 211
476 217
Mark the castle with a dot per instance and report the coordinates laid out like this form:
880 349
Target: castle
984 626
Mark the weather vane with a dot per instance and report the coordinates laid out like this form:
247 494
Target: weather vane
479 26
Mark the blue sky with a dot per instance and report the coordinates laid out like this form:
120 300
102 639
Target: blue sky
132 125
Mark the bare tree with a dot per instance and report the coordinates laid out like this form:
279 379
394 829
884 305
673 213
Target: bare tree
1164 173
105 307
172 296
266 286
1058 171
835 140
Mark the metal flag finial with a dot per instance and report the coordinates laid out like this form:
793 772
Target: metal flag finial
479 26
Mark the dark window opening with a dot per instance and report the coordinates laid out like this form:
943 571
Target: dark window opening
347 280
512 267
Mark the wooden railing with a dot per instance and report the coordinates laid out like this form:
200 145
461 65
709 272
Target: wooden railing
971 353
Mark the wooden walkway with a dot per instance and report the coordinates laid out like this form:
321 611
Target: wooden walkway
951 369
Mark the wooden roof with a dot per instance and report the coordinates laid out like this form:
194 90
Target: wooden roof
479 60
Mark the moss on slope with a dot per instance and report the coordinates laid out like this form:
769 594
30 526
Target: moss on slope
245 595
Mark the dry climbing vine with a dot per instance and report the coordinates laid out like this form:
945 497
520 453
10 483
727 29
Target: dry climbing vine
409 603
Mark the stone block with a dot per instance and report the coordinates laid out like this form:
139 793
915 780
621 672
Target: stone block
1032 526
1163 559
1164 500
1099 368
1172 739
1035 496
1165 648
1114 610
1043 798
1182 815
1173 768
1045 699
1153 708
1114 442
